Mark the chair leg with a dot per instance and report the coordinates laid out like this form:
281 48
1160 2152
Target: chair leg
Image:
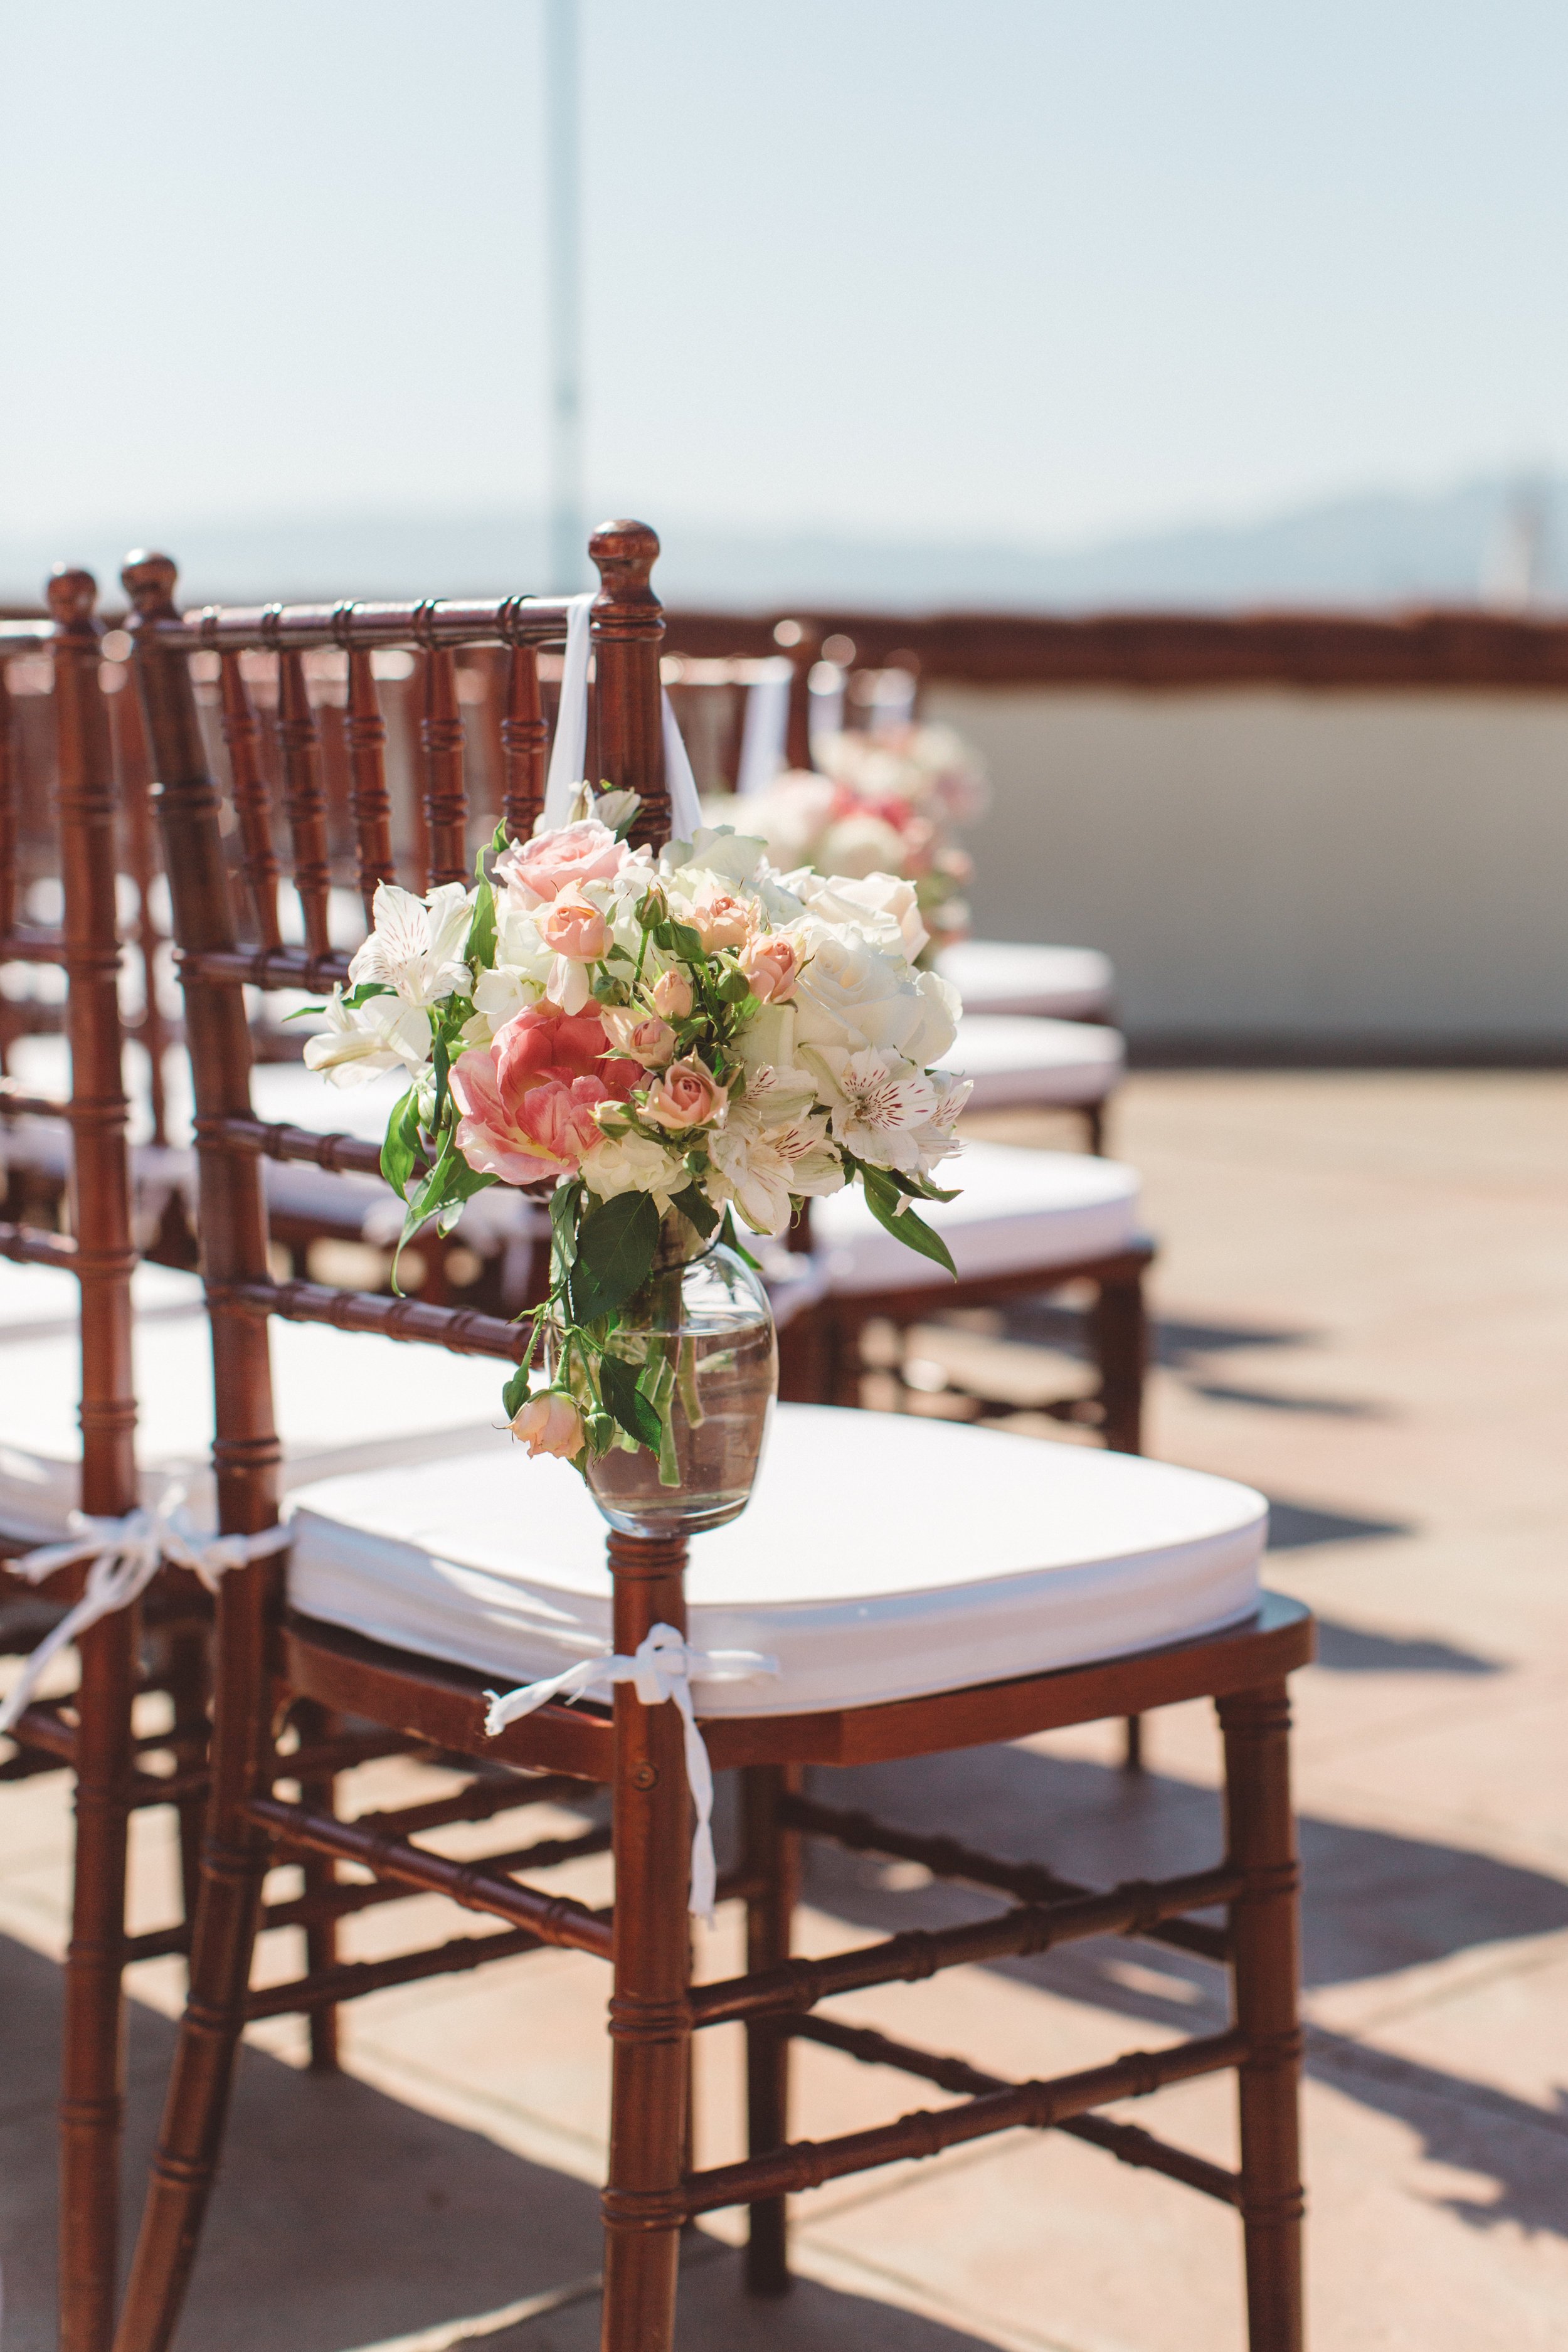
1118 1339
320 1876
1094 1128
93 2071
234 1861
772 1859
1132 1750
1266 1971
650 2023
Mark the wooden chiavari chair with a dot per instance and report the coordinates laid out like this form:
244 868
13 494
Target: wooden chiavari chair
912 1646
91 1733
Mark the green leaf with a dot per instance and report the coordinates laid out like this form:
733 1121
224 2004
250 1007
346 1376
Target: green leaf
402 1143
481 948
563 1224
697 1208
618 1387
681 940
365 991
886 1202
514 1396
441 1057
615 1245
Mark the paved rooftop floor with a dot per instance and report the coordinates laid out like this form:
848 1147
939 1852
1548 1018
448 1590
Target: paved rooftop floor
1364 1305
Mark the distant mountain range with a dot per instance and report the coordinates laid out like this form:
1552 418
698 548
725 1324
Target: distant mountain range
1490 540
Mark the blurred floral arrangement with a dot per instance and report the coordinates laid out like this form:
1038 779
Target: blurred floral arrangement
694 1033
882 800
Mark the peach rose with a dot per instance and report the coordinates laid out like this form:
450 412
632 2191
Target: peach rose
721 920
649 1041
686 1096
549 1424
574 928
562 860
771 963
671 995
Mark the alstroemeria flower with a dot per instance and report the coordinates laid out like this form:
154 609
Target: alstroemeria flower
381 1033
762 1169
879 1102
415 947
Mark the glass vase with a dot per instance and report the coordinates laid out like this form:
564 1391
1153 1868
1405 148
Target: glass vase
703 1319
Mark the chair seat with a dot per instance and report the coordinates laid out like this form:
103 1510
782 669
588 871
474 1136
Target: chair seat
347 1402
931 1557
1009 976
40 1301
1016 1210
1016 1062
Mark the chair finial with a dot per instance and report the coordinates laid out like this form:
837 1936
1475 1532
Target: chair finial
624 554
149 580
72 595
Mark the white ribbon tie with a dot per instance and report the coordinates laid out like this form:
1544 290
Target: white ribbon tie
663 1669
126 1555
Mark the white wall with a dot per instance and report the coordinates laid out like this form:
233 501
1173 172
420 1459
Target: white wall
1323 866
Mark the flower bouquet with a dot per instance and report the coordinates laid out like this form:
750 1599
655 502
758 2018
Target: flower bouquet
667 1042
887 800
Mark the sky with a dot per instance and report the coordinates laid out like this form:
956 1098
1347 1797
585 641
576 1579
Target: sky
1006 268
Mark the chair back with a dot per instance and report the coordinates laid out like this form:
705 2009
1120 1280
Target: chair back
229 937
85 944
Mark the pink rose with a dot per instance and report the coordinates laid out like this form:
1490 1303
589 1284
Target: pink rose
542 1041
574 928
671 995
721 920
549 1424
649 1041
686 1096
771 963
553 862
524 1135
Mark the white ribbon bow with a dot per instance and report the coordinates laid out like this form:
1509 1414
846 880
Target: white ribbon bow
126 1555
663 1668
569 751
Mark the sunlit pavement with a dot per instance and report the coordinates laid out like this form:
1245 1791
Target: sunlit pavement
1364 1307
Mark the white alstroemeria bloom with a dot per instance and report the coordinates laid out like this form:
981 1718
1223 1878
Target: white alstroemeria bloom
417 946
759 1166
936 1140
778 1083
635 1163
381 1033
879 1102
852 994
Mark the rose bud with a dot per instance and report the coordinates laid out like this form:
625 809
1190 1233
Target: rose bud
641 1035
670 995
721 920
653 908
771 963
549 1422
572 927
686 1096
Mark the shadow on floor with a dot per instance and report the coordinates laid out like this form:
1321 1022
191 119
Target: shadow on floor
1300 1526
1350 1650
345 2218
1375 1904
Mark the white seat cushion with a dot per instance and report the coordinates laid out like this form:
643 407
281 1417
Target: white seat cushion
879 1558
345 1401
1017 1209
36 1300
1006 976
1017 1063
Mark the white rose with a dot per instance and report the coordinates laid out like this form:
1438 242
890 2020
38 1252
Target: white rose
884 906
634 1163
851 994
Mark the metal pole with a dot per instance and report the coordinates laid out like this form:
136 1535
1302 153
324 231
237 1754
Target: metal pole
568 530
